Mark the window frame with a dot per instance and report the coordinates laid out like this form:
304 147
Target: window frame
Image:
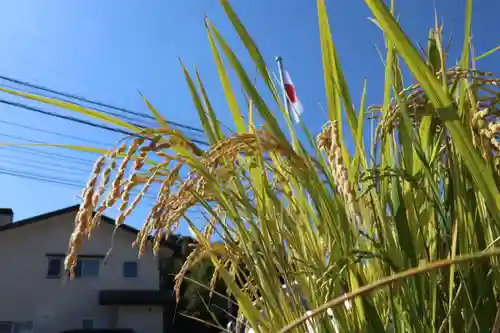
124 271
80 268
49 260
7 324
91 320
16 324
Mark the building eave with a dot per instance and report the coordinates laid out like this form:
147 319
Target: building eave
70 209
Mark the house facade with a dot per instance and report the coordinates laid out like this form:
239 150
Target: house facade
114 292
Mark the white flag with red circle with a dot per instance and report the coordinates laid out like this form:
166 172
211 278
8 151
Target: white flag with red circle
295 105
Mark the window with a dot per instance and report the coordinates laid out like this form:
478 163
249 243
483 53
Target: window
54 268
87 268
16 327
5 326
88 324
23 327
130 269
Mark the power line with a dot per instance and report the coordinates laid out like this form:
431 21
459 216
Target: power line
28 162
85 122
52 132
55 180
42 165
56 115
139 114
34 141
49 154
39 177
130 119
21 138
148 199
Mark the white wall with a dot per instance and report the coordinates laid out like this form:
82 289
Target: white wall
141 318
54 305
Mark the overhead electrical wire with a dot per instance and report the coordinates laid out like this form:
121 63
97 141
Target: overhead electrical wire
16 173
45 165
106 105
130 119
49 154
148 198
55 180
53 133
28 162
21 138
77 120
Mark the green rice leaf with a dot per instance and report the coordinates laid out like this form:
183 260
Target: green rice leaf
271 122
488 53
226 84
214 122
251 47
155 112
73 107
199 106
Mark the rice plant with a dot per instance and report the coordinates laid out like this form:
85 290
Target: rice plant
406 230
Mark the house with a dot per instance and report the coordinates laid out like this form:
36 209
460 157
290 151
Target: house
121 292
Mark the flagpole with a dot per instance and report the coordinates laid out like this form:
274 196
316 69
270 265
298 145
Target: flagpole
281 71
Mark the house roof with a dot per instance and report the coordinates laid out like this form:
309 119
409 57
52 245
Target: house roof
43 217
6 211
174 242
40 218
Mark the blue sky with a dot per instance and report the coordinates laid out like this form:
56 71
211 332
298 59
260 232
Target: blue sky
106 50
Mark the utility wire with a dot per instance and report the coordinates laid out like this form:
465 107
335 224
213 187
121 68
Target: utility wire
53 133
21 138
139 114
85 122
56 115
54 180
28 162
50 154
33 141
131 120
148 199
44 165
33 176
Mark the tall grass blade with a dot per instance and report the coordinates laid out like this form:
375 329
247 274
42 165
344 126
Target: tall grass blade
159 118
73 107
267 116
209 131
226 84
251 47
488 53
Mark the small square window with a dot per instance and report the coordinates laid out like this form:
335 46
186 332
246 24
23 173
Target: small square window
54 268
130 269
91 268
88 324
87 268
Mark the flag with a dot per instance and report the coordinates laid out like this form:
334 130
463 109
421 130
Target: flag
295 105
